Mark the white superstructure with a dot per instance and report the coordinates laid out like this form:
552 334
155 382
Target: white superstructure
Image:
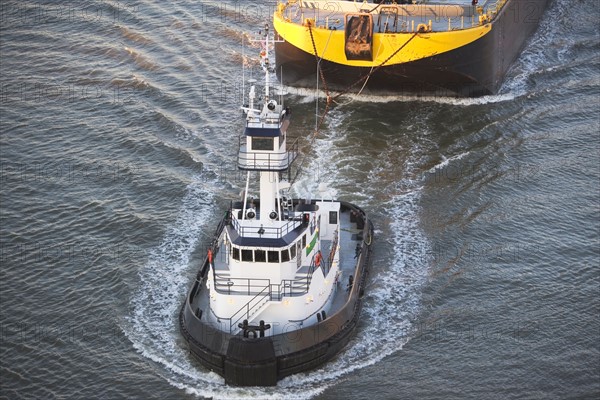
276 261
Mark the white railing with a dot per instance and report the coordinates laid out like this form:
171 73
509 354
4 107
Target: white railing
398 18
266 160
271 232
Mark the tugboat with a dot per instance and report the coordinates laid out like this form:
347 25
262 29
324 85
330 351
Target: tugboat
454 47
280 290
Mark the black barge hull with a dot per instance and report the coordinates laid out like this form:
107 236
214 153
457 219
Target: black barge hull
264 361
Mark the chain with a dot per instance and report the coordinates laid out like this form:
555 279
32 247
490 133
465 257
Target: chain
326 88
322 75
364 78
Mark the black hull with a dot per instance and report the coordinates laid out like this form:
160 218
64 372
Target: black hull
473 70
264 361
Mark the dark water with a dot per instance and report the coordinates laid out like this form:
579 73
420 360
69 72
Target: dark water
119 124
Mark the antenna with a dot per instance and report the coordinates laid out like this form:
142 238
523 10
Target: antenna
243 69
266 41
266 63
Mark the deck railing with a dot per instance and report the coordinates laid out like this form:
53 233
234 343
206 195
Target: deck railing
267 231
248 309
266 160
262 290
249 286
398 18
242 286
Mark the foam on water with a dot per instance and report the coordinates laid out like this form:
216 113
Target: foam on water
90 52
317 174
153 328
309 96
532 60
445 161
389 306
546 43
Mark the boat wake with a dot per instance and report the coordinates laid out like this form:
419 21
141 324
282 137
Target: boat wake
446 161
391 301
393 295
153 327
308 95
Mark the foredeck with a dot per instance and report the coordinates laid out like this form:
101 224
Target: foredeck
395 18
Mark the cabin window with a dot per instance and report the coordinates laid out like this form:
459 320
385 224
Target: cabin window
260 143
304 241
293 252
285 255
236 253
247 255
260 256
273 256
333 217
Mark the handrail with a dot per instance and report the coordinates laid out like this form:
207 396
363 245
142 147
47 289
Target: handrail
228 283
495 7
394 18
267 160
270 291
312 270
271 295
248 309
222 284
332 252
314 313
268 231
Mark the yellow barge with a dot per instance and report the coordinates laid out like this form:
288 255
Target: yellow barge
458 47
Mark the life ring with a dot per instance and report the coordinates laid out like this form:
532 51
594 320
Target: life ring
318 258
422 28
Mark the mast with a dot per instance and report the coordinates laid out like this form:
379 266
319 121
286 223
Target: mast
266 63
265 148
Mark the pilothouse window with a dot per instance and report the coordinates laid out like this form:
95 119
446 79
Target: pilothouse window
273 256
333 217
285 255
247 255
260 256
236 253
260 143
